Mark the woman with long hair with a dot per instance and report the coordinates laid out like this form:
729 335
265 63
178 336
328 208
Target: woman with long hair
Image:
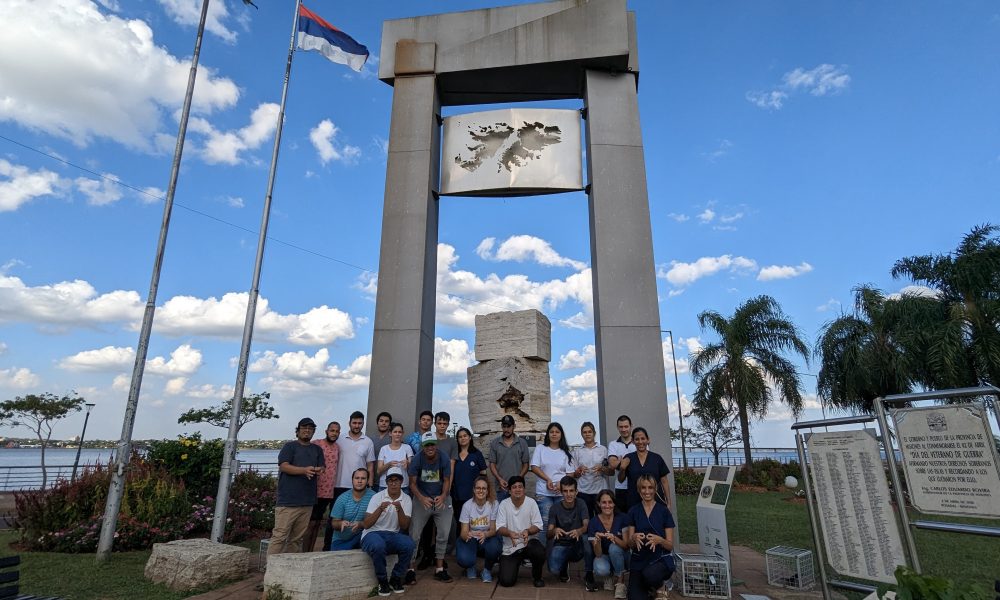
651 539
550 463
644 462
478 532
394 454
591 459
467 464
606 550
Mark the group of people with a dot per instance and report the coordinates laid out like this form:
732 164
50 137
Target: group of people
421 497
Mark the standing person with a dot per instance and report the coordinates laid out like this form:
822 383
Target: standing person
324 489
591 459
299 463
518 524
550 462
388 512
466 466
616 452
607 546
446 443
394 454
509 456
568 522
383 436
478 521
652 540
356 451
644 462
423 426
348 514
430 484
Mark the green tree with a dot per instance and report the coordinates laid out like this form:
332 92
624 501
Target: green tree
746 370
39 412
864 355
714 429
965 347
254 407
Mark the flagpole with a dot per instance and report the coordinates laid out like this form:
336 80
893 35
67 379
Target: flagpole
123 453
229 454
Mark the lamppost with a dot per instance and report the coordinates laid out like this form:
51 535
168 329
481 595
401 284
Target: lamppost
680 409
90 406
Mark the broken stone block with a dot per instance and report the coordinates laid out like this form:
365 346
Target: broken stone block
188 564
513 386
525 333
341 575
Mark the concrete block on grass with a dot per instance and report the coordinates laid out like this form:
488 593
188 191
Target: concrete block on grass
189 564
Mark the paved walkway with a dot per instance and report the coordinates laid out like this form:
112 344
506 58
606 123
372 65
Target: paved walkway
749 566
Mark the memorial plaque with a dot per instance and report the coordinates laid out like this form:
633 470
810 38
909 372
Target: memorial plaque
860 533
950 460
512 152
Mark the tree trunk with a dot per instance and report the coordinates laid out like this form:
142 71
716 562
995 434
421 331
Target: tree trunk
44 472
745 432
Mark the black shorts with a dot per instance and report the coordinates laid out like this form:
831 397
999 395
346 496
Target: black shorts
321 509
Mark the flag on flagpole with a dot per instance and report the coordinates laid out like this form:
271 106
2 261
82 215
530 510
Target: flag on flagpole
316 34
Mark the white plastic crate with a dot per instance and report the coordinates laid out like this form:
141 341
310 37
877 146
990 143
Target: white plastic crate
262 554
790 567
703 576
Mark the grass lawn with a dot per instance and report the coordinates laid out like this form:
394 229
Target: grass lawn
763 520
79 577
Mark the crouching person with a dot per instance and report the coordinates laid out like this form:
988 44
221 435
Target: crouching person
652 541
518 522
388 512
479 532
568 524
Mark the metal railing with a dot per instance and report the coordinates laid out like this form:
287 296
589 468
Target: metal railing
19 478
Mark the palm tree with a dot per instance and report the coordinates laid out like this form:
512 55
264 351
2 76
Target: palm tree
966 349
745 370
863 355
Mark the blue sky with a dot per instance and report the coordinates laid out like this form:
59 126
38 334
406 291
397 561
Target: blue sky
792 149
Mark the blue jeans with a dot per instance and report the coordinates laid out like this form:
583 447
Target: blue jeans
561 556
612 562
466 551
544 504
380 543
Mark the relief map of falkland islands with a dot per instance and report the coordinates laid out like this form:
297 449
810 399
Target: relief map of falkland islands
531 139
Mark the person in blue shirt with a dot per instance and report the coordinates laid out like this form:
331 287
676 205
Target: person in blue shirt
643 462
348 513
423 426
467 465
651 537
606 546
430 484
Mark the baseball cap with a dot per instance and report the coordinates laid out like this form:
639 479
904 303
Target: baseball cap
506 421
428 438
307 422
394 472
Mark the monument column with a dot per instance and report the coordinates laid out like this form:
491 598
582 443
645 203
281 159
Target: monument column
403 346
630 378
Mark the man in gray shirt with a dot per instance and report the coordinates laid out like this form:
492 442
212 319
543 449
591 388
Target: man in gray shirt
382 437
509 456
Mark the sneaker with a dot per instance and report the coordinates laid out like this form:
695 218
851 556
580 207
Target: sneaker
539 583
443 576
662 594
396 585
471 573
589 583
383 588
410 578
487 576
609 584
620 592
563 575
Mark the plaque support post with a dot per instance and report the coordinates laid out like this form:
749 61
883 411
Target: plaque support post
813 518
890 457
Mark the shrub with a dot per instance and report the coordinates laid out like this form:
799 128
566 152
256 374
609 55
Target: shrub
767 473
687 482
251 507
195 462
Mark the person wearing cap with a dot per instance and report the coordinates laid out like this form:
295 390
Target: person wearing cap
299 464
388 512
518 523
430 484
509 456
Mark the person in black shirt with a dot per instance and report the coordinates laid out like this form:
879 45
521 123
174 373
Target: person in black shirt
568 521
299 463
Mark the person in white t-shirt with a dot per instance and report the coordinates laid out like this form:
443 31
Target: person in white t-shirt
357 451
388 512
518 524
394 454
479 531
550 462
616 452
591 460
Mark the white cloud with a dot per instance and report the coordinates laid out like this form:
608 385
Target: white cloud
67 302
100 192
151 195
3 347
783 271
772 100
297 372
234 201
583 381
680 218
580 320
683 365
573 400
920 291
188 12
106 77
819 81
522 248
683 274
577 359
175 386
121 383
226 146
18 378
706 215
731 218
723 149
323 137
20 185
184 361
451 359
831 304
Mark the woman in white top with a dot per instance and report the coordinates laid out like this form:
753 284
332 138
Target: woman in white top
551 462
394 454
590 459
479 531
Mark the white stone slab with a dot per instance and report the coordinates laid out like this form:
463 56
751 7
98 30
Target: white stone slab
518 387
340 575
189 564
525 334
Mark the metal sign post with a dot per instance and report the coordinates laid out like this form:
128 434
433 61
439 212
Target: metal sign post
711 507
